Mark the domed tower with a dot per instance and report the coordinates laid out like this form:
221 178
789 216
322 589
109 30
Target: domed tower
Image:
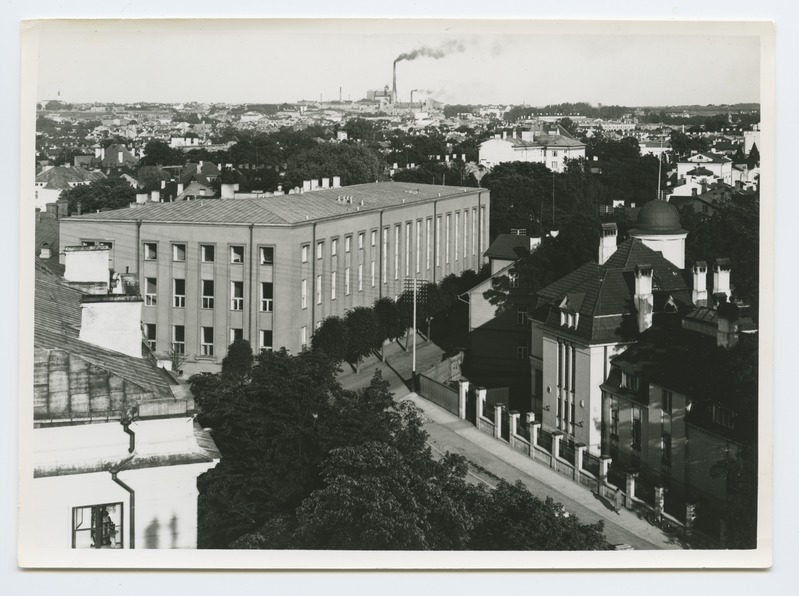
658 227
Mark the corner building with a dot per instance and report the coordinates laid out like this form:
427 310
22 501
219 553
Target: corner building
269 270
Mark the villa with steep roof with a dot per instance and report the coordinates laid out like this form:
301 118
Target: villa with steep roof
551 148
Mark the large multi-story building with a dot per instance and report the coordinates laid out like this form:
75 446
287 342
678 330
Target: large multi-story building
269 270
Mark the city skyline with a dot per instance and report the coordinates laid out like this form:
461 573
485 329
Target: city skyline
524 62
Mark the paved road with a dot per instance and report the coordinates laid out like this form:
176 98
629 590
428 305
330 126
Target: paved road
491 459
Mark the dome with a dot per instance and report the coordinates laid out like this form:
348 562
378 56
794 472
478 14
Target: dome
658 217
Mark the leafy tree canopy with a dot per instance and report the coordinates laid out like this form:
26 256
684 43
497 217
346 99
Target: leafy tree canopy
107 193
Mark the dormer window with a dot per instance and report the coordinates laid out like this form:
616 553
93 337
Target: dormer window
629 381
723 416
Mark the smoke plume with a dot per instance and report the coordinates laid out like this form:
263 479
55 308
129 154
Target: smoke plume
445 49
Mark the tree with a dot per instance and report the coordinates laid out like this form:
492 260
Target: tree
389 325
362 331
107 193
332 339
237 364
355 164
159 153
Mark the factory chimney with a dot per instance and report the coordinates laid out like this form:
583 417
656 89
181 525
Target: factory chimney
394 84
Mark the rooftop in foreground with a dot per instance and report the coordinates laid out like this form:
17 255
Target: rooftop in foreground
284 209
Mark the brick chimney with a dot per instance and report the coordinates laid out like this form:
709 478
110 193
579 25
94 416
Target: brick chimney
644 302
699 292
607 241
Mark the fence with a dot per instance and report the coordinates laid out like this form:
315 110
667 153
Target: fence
438 393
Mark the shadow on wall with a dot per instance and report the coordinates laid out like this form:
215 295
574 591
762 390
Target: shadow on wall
173 530
151 534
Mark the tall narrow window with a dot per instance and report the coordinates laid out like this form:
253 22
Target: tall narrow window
482 229
303 337
320 247
347 281
208 293
360 240
636 431
150 251
179 293
521 314
236 333
207 341
407 249
385 255
396 250
446 239
334 247
427 243
474 232
149 334
319 289
347 243
150 291
266 296
373 237
304 253
438 241
465 232
179 339
333 285
418 244
360 277
457 233
304 293
373 273
237 295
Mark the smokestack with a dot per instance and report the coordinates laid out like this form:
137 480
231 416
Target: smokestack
394 83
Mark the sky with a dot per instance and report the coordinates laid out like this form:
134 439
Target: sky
479 62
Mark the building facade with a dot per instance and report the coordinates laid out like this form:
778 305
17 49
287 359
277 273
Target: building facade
269 270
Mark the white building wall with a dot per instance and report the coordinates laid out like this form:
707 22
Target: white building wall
672 246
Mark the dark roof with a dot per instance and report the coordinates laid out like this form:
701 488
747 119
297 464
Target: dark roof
284 209
76 381
699 171
510 247
657 217
545 140
61 177
604 294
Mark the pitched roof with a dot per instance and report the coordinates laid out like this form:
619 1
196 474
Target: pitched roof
509 247
78 381
283 209
545 140
62 177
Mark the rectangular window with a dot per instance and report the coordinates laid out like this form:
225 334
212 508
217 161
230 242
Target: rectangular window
385 255
360 240
407 249
304 293
521 314
465 231
97 526
396 250
427 241
178 252
266 296
178 339
267 255
374 237
304 252
723 416
446 239
513 280
149 335
373 273
360 277
266 340
179 293
630 381
236 254
482 229
665 445
207 253
347 281
236 334
418 244
334 247
150 291
207 341
474 233
150 251
522 351
614 417
303 337
333 285
457 233
319 289
347 243
208 293
636 432
438 241
320 247
237 295
667 401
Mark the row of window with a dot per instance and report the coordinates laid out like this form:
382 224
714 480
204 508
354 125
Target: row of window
178 338
207 294
208 253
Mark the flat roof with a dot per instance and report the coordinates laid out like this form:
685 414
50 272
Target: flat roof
284 209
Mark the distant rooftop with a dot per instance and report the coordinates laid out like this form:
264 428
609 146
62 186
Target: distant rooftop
284 209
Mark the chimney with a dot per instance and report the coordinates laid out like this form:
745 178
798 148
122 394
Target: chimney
699 292
643 296
119 155
306 185
394 82
45 253
155 196
325 182
607 243
180 188
727 330
112 321
87 265
721 278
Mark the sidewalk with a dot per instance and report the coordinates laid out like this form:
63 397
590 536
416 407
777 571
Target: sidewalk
448 433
